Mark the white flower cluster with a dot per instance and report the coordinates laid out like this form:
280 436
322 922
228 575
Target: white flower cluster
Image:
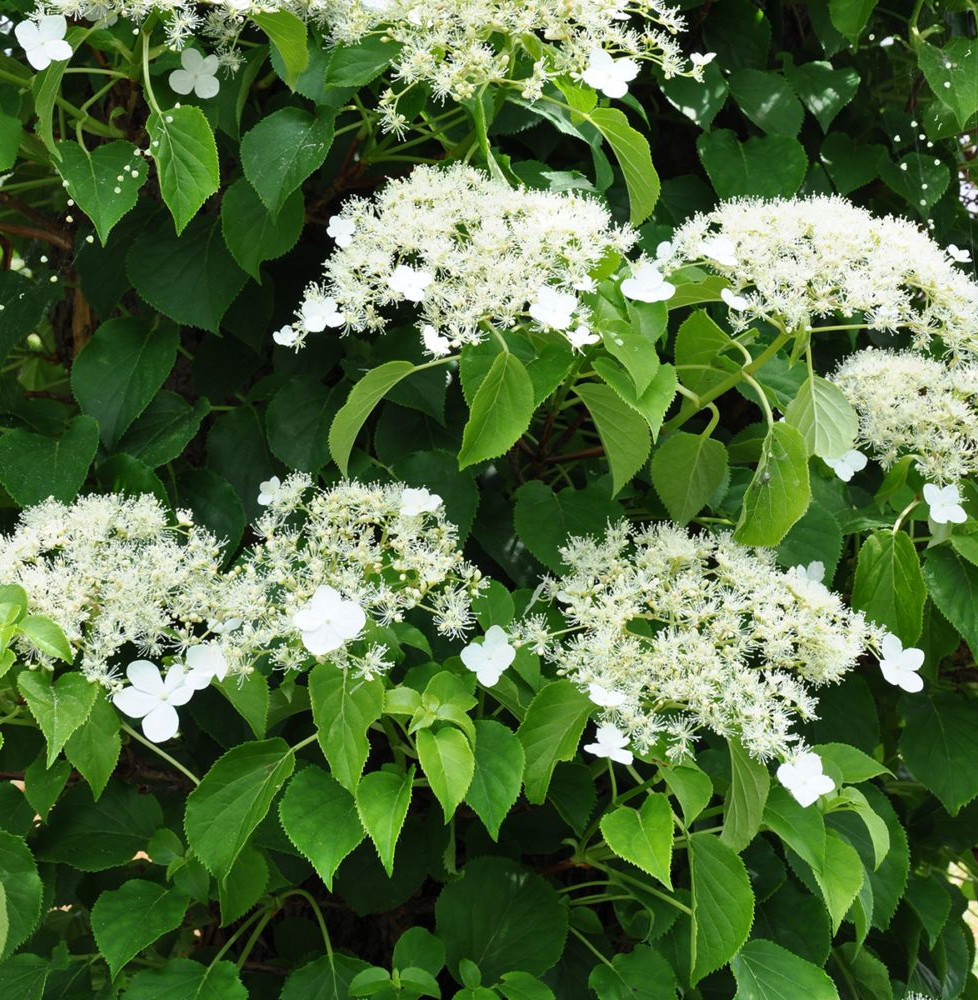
468 251
332 565
909 404
807 260
671 633
112 571
459 46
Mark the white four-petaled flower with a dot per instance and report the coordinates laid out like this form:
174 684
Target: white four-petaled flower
814 572
612 743
847 465
736 302
720 249
945 504
581 337
342 230
318 313
286 336
701 59
488 659
647 284
899 666
605 697
268 491
197 76
328 620
411 282
434 342
419 501
203 663
43 40
609 75
553 308
154 699
804 778
958 254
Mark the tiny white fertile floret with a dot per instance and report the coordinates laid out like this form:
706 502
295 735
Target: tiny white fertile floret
488 659
804 778
612 743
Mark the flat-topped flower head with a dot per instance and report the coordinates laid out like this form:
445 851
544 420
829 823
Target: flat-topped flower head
43 40
154 699
328 621
726 641
823 260
899 666
612 743
462 251
804 778
945 504
909 404
489 658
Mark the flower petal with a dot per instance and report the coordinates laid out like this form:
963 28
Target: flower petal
324 639
145 676
206 87
161 724
135 703
52 28
181 82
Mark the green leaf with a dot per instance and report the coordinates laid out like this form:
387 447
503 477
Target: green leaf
93 836
544 519
643 836
94 748
59 707
952 74
889 586
251 232
364 396
854 765
779 493
803 830
824 417
624 434
119 937
632 151
34 467
43 785
875 825
722 900
183 979
105 181
20 893
24 303
233 798
939 743
343 707
382 800
164 429
653 401
766 971
840 878
700 102
849 17
250 696
550 732
283 149
11 132
47 637
500 412
931 902
691 786
288 34
850 164
328 978
641 974
767 100
952 582
448 764
920 180
501 917
120 370
771 166
24 976
498 774
824 90
358 64
243 886
47 89
816 537
438 471
320 817
192 278
687 469
746 798
185 154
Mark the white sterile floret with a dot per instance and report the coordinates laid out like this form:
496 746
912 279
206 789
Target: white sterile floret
154 699
909 404
415 502
612 743
678 633
465 252
958 255
581 337
609 75
899 666
43 40
945 504
286 336
847 464
327 621
804 778
814 572
319 312
113 572
552 308
202 664
647 284
489 658
197 75
823 260
341 230
328 562
733 301
269 490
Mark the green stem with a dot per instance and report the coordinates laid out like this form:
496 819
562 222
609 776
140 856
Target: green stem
257 915
147 84
319 917
255 934
590 947
160 753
